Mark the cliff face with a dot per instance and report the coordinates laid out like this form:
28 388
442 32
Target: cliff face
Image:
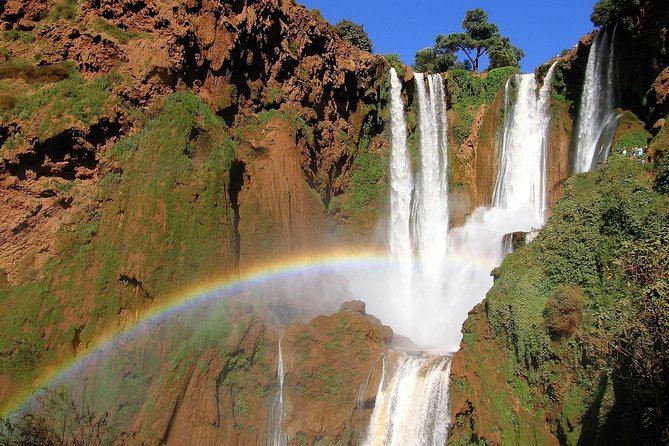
559 352
147 146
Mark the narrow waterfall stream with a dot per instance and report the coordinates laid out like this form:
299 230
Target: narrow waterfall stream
451 269
597 118
276 436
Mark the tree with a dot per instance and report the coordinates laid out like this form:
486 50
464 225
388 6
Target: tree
503 54
428 60
480 38
608 12
354 34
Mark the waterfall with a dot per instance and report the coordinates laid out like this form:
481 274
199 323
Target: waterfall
522 177
275 436
401 186
431 213
413 407
418 226
597 118
412 401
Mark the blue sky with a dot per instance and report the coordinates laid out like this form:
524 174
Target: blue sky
541 28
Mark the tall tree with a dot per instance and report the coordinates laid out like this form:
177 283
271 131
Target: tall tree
480 37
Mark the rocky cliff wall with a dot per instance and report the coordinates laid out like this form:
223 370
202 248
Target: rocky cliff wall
148 146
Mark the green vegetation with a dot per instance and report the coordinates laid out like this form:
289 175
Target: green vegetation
563 313
120 34
395 62
469 91
167 191
12 35
479 38
434 61
592 279
64 9
57 106
369 179
57 420
353 33
631 133
610 12
288 115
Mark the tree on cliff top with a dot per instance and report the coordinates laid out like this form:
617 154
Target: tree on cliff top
480 38
428 59
608 12
354 33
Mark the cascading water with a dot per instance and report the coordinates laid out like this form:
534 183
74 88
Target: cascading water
275 436
431 212
411 404
522 177
418 227
401 186
412 408
597 118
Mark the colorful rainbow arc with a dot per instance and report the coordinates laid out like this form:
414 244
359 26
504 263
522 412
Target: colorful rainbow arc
280 269
348 258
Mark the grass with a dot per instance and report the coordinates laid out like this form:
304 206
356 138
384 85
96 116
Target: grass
119 34
53 108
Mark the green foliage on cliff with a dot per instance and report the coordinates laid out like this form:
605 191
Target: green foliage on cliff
369 177
473 90
469 91
354 34
120 34
167 187
588 362
55 107
610 12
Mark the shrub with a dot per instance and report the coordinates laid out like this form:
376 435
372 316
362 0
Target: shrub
66 9
354 34
563 313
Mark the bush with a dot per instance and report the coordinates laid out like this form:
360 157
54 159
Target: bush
66 9
354 33
563 313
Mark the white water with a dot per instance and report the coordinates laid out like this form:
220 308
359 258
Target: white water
401 186
412 408
522 177
431 212
448 272
412 403
596 115
275 435
418 226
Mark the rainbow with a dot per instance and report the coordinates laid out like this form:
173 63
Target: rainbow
347 258
342 258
